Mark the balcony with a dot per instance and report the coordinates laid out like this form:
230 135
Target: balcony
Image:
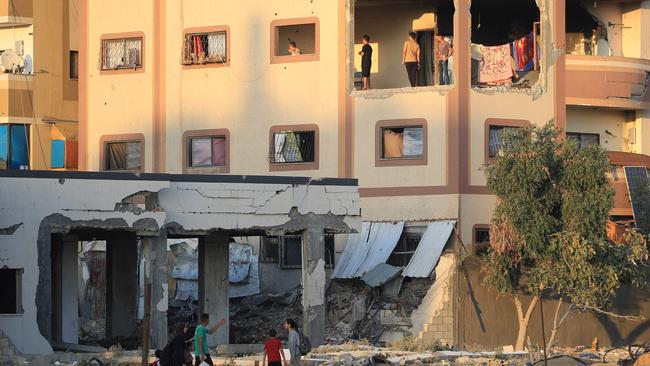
607 81
16 13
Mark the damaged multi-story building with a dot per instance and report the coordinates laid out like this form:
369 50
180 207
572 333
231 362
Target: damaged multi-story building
210 89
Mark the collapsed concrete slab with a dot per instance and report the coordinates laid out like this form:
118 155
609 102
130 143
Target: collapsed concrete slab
43 211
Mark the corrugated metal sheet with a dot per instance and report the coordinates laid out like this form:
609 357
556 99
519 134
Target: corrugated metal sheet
366 250
426 256
381 274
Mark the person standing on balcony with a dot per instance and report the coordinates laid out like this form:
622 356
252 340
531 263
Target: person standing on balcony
366 61
444 51
411 58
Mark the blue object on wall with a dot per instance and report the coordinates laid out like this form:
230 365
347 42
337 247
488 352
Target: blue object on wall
58 154
19 147
4 146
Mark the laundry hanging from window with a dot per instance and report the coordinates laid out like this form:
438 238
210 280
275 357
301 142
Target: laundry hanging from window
293 147
205 48
523 52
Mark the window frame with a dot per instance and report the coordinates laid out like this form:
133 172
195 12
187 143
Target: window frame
19 272
277 23
412 232
29 144
186 156
580 134
122 36
503 123
132 137
279 167
477 247
401 123
281 249
206 30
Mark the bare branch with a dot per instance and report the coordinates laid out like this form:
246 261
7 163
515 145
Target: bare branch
610 314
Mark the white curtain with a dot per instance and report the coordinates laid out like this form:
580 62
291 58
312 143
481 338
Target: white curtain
217 46
133 154
201 151
279 138
413 142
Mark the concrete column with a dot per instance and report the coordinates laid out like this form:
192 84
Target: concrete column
69 291
313 285
214 257
155 273
122 285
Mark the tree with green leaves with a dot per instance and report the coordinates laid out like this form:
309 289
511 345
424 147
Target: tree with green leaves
548 232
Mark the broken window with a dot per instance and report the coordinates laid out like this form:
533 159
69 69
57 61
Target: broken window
293 147
402 142
14 146
123 155
481 239
495 143
11 288
74 65
207 151
288 248
123 53
406 246
295 39
387 23
583 140
205 48
505 43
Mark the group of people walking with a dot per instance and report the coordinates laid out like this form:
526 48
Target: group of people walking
187 349
410 59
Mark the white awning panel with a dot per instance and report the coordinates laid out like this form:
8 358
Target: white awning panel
429 249
366 250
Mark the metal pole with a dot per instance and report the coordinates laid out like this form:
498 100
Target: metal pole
145 324
541 312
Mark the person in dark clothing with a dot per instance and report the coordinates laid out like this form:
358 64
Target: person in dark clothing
177 346
366 61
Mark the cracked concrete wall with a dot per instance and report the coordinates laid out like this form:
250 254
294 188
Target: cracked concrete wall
32 209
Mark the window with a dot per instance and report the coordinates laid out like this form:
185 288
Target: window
496 140
294 148
207 151
206 46
122 53
74 65
481 239
123 155
584 139
294 40
404 249
14 146
401 142
289 249
11 288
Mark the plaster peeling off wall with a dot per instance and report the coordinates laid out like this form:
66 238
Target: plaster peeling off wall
316 278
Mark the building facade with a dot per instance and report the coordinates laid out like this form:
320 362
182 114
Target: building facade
38 126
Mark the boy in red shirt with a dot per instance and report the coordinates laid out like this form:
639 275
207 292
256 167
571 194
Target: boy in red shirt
273 350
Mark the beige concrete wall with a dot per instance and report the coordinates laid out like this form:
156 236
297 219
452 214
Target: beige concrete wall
632 31
119 103
250 95
412 208
599 121
388 25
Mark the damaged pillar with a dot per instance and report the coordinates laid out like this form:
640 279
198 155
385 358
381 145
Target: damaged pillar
122 285
155 273
313 284
214 255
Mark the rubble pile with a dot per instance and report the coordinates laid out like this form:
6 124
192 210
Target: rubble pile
251 317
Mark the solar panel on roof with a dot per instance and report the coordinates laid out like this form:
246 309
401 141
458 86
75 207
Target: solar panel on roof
637 177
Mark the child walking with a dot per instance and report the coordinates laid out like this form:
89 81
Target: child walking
273 350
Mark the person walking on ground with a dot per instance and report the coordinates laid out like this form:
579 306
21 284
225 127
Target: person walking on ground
273 351
411 58
201 348
294 341
366 61
177 346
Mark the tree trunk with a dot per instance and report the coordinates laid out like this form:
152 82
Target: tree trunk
523 320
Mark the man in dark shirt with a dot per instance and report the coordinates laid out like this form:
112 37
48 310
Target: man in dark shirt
366 61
